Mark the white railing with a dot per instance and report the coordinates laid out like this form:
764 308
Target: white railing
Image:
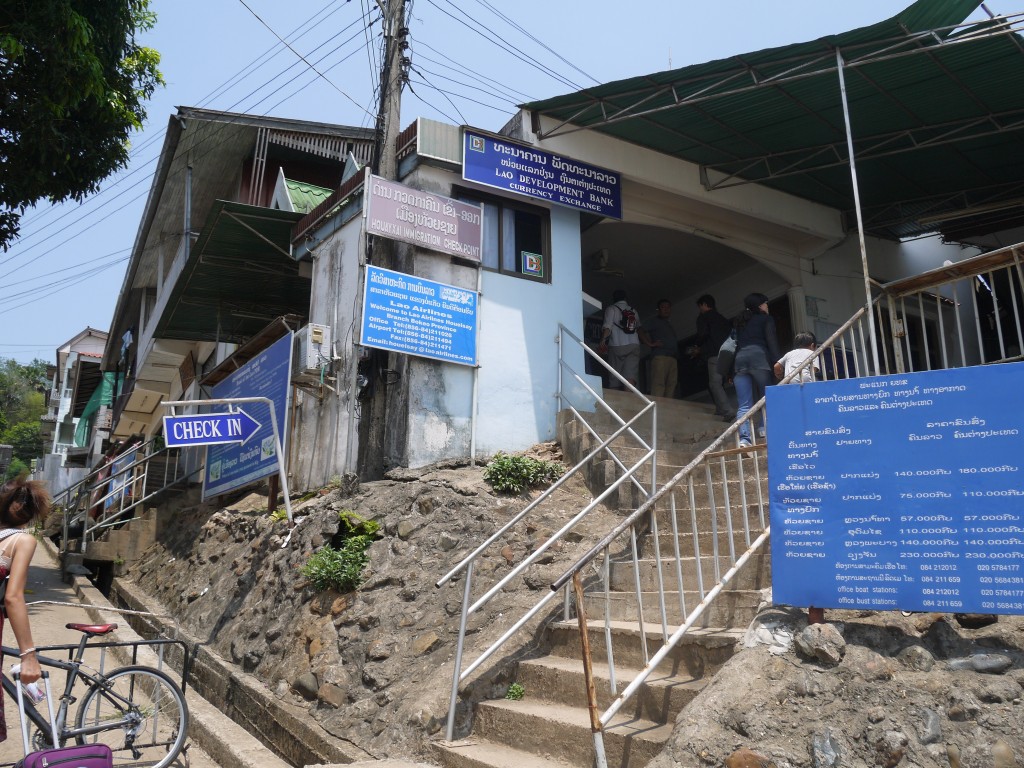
625 431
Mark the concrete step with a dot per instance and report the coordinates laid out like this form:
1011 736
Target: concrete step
731 608
563 733
700 653
755 575
560 679
476 752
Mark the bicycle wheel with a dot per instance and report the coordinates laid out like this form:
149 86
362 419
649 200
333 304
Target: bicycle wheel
139 712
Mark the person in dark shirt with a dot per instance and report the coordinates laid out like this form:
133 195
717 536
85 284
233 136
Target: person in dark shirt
757 347
660 337
713 329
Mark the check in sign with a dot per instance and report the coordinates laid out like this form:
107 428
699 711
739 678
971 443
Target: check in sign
405 313
209 429
529 171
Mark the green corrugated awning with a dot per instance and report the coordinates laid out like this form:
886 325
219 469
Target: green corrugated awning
937 115
239 276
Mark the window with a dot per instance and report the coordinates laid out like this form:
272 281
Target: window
516 238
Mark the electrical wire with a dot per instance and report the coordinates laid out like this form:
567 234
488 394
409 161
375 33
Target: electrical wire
505 47
422 70
303 58
510 93
85 215
65 269
537 40
138 168
461 96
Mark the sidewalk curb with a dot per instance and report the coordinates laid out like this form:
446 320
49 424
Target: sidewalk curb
218 735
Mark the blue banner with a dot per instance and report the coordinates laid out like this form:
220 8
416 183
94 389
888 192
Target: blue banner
899 492
409 314
532 172
267 375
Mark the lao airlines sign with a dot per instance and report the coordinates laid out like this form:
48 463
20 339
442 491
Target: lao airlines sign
209 429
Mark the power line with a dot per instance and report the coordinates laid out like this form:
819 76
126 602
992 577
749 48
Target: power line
511 93
65 269
539 42
467 85
304 59
505 47
243 73
206 140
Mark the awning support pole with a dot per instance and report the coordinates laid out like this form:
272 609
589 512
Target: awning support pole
856 205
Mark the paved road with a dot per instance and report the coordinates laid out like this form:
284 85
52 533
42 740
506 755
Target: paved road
48 628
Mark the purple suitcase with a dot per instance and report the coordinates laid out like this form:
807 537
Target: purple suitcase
80 756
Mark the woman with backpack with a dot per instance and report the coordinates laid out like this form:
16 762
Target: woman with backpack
757 347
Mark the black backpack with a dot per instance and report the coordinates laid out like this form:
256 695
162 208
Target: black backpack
628 321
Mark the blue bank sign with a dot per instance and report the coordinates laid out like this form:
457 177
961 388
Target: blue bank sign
209 429
535 173
409 314
899 492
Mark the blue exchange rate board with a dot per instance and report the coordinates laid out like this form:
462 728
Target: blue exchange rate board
899 492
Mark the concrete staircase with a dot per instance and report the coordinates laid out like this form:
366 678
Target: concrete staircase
550 725
128 542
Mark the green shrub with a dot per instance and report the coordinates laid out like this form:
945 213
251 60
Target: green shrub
339 565
340 569
514 474
515 692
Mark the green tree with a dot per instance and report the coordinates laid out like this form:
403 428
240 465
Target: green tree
22 403
73 82
26 440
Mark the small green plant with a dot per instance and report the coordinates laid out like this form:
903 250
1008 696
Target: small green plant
353 524
279 514
514 474
339 565
334 482
515 692
340 569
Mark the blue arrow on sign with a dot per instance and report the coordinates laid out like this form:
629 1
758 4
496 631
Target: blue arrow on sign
209 429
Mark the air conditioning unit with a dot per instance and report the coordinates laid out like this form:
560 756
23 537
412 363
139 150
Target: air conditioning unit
312 350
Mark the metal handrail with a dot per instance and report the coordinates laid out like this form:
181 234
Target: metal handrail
628 471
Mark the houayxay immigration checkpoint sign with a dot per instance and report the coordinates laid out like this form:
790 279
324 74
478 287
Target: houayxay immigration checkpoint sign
430 221
525 170
899 492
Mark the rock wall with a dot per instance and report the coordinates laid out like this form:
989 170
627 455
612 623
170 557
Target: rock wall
372 667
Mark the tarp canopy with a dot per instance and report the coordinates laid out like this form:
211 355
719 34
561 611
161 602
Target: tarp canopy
240 275
936 111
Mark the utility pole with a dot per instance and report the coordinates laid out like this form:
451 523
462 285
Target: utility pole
383 366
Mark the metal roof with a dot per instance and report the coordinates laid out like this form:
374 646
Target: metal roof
936 112
240 275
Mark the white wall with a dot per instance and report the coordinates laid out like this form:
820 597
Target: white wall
321 445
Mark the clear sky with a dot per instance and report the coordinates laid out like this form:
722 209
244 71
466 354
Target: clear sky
473 61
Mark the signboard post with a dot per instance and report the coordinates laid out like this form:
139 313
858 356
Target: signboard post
525 170
899 492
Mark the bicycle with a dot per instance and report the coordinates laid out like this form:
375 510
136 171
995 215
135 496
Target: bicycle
133 709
